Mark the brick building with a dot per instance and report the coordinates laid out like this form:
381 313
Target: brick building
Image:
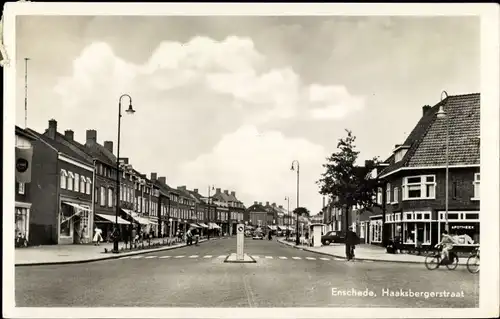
257 215
61 191
414 194
24 160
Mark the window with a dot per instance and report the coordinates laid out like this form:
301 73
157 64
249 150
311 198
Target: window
103 196
100 169
379 196
454 190
388 193
20 188
89 186
82 184
64 176
419 187
105 171
121 193
71 178
477 181
96 194
77 182
396 194
110 197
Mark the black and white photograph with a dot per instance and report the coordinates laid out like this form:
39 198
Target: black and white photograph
250 160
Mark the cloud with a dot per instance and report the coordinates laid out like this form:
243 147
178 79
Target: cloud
257 166
336 102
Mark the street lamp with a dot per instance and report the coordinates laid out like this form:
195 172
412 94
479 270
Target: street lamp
287 216
210 187
130 110
441 114
297 241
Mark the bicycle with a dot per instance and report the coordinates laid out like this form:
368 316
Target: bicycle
433 261
473 262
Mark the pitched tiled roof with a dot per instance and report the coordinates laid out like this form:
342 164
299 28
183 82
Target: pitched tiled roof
256 208
60 147
427 141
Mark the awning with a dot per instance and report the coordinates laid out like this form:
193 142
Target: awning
77 206
271 227
136 218
213 226
203 225
195 225
112 219
282 227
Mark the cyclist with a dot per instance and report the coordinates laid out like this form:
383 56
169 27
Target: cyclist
446 244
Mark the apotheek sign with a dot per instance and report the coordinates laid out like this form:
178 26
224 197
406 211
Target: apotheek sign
23 164
463 227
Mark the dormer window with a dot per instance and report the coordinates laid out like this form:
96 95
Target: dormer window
399 152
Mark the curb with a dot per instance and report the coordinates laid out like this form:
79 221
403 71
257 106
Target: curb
361 259
112 256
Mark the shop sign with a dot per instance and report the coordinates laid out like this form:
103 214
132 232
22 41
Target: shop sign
463 227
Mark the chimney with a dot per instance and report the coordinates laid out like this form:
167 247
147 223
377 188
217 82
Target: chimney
195 190
267 203
52 131
226 192
162 179
260 203
182 188
280 206
274 204
154 176
109 146
425 109
69 134
233 194
217 190
255 202
91 136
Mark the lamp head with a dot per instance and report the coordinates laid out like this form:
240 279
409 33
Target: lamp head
441 113
292 168
130 110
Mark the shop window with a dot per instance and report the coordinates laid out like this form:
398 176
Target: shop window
409 233
77 182
71 178
477 183
21 220
419 187
20 188
64 176
65 228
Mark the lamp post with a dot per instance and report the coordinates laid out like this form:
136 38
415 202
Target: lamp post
441 114
210 187
130 110
297 241
287 216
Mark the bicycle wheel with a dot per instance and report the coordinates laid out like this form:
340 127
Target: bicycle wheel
453 264
432 262
473 264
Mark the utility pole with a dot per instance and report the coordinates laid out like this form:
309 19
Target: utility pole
26 92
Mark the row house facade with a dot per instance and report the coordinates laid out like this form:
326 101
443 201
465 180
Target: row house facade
23 163
414 192
61 191
230 211
257 215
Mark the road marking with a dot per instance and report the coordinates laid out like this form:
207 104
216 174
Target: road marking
310 258
178 256
368 261
163 257
222 256
126 257
255 257
193 256
269 257
338 258
150 257
208 256
136 257
324 258
281 257
296 258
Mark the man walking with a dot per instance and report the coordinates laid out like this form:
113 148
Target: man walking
351 240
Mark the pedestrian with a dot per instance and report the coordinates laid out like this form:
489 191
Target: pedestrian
82 234
97 236
189 237
196 237
351 240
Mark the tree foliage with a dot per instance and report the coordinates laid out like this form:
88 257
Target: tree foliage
345 183
302 211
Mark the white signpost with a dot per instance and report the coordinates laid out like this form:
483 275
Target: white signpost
240 238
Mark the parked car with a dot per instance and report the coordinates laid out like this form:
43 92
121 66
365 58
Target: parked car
332 237
258 235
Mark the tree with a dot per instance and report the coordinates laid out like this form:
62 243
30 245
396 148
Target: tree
302 211
345 183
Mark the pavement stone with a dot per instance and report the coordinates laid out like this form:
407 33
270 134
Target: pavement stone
364 252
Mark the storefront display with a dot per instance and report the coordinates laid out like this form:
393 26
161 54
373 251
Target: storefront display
463 225
73 223
376 229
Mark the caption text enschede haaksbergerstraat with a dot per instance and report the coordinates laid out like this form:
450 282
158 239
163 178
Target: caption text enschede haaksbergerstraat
390 293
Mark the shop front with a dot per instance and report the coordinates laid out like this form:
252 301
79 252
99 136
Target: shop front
418 229
74 222
464 226
22 225
375 230
394 225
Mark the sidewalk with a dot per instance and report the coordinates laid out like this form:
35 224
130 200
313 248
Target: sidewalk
364 252
68 254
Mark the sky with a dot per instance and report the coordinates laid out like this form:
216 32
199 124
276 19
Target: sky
232 101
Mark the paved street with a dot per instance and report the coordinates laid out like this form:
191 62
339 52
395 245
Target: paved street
198 277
